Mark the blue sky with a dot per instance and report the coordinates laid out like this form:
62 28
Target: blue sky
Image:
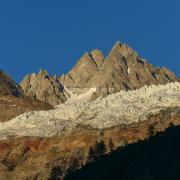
53 35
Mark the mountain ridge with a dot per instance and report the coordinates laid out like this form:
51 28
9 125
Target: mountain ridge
107 102
122 69
13 100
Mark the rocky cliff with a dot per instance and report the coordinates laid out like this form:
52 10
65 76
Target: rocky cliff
105 103
13 101
122 69
8 86
43 87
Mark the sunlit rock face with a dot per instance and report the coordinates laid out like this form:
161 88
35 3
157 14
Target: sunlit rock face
13 100
122 69
43 87
124 107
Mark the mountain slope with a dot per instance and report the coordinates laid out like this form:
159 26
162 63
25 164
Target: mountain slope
81 74
122 108
13 101
51 144
54 157
122 69
8 86
157 158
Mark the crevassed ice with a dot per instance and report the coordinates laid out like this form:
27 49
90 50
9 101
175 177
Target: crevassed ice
120 108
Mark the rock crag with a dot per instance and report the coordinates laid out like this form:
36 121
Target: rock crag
13 100
43 87
122 69
109 101
9 87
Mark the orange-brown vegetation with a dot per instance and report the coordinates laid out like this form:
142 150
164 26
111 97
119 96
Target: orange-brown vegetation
35 157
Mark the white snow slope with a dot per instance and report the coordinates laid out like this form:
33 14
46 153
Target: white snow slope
84 97
120 108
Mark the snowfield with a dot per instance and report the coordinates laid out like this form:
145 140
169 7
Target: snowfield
116 109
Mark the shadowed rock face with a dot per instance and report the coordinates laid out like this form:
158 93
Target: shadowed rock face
11 107
9 87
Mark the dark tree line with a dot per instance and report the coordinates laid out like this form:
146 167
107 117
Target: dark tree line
56 173
99 149
111 145
154 159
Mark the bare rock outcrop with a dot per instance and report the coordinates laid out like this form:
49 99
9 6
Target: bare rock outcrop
122 69
8 86
98 57
13 101
43 87
81 74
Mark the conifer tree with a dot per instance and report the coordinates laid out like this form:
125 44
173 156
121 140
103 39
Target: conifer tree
111 145
100 149
91 155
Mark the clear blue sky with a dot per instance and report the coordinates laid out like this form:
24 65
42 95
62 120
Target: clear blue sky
53 34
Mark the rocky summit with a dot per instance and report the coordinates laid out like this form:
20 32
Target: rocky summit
53 126
122 69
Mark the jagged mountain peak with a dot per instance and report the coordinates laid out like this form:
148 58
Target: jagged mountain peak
94 59
122 69
86 56
43 87
124 49
43 72
117 44
115 47
85 60
127 51
97 53
98 57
